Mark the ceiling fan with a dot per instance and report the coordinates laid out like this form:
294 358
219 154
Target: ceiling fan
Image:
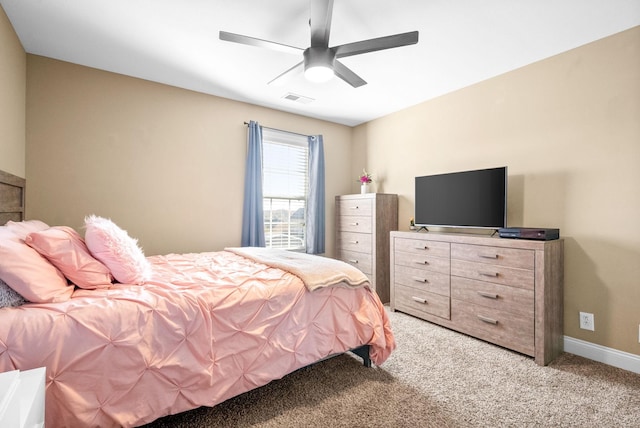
320 62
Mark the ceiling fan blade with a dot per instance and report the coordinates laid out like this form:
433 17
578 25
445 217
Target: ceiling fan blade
282 78
377 44
321 11
343 72
252 41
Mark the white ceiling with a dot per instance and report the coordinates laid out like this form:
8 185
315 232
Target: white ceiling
175 42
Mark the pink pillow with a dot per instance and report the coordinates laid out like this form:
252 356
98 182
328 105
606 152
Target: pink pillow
30 274
117 250
22 228
66 250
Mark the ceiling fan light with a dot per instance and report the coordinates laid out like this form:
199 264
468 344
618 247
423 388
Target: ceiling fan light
318 64
318 73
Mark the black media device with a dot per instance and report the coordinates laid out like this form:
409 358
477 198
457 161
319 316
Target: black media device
529 233
473 199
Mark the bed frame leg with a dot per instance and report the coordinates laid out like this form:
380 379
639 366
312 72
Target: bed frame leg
363 352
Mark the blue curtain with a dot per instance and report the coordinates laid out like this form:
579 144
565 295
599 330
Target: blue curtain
252 212
315 203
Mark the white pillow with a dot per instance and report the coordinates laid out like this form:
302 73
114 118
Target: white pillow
117 250
22 228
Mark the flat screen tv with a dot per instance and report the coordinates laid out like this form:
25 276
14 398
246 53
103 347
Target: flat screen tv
465 199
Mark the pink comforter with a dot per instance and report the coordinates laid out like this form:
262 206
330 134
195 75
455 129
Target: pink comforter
207 327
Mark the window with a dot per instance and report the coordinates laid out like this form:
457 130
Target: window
285 163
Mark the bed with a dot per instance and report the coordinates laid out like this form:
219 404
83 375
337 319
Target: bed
201 328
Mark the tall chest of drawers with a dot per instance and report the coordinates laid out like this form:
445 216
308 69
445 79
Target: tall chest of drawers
363 226
508 292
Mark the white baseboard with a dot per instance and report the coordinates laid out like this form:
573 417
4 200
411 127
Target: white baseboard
602 354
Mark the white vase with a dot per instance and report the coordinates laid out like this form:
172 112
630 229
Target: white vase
364 188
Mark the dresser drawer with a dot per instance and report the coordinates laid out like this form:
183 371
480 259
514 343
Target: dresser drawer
522 278
358 223
360 260
357 207
352 241
422 302
422 279
420 246
515 300
423 261
503 328
512 257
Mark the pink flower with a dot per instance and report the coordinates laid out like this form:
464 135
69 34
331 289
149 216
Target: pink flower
365 178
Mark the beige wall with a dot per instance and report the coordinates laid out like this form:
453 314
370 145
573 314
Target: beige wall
568 128
164 163
13 74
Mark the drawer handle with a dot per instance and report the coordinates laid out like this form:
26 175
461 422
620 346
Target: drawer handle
487 320
353 242
423 280
491 274
488 256
423 263
353 224
488 295
353 261
419 299
354 208
422 248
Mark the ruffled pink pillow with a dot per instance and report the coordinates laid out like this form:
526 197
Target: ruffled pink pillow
117 250
29 274
66 250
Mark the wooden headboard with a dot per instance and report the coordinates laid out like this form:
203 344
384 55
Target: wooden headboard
11 197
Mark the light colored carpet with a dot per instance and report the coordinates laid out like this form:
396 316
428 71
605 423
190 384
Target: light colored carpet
435 378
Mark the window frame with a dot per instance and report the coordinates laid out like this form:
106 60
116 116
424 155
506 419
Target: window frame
292 234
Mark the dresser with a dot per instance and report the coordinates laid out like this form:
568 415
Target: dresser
505 291
363 226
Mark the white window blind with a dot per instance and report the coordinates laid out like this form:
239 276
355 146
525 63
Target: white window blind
285 164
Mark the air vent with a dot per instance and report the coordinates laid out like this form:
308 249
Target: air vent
298 98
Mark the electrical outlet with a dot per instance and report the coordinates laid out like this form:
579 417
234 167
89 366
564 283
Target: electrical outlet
586 321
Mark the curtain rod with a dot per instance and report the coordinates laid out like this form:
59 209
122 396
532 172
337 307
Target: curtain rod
282 130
